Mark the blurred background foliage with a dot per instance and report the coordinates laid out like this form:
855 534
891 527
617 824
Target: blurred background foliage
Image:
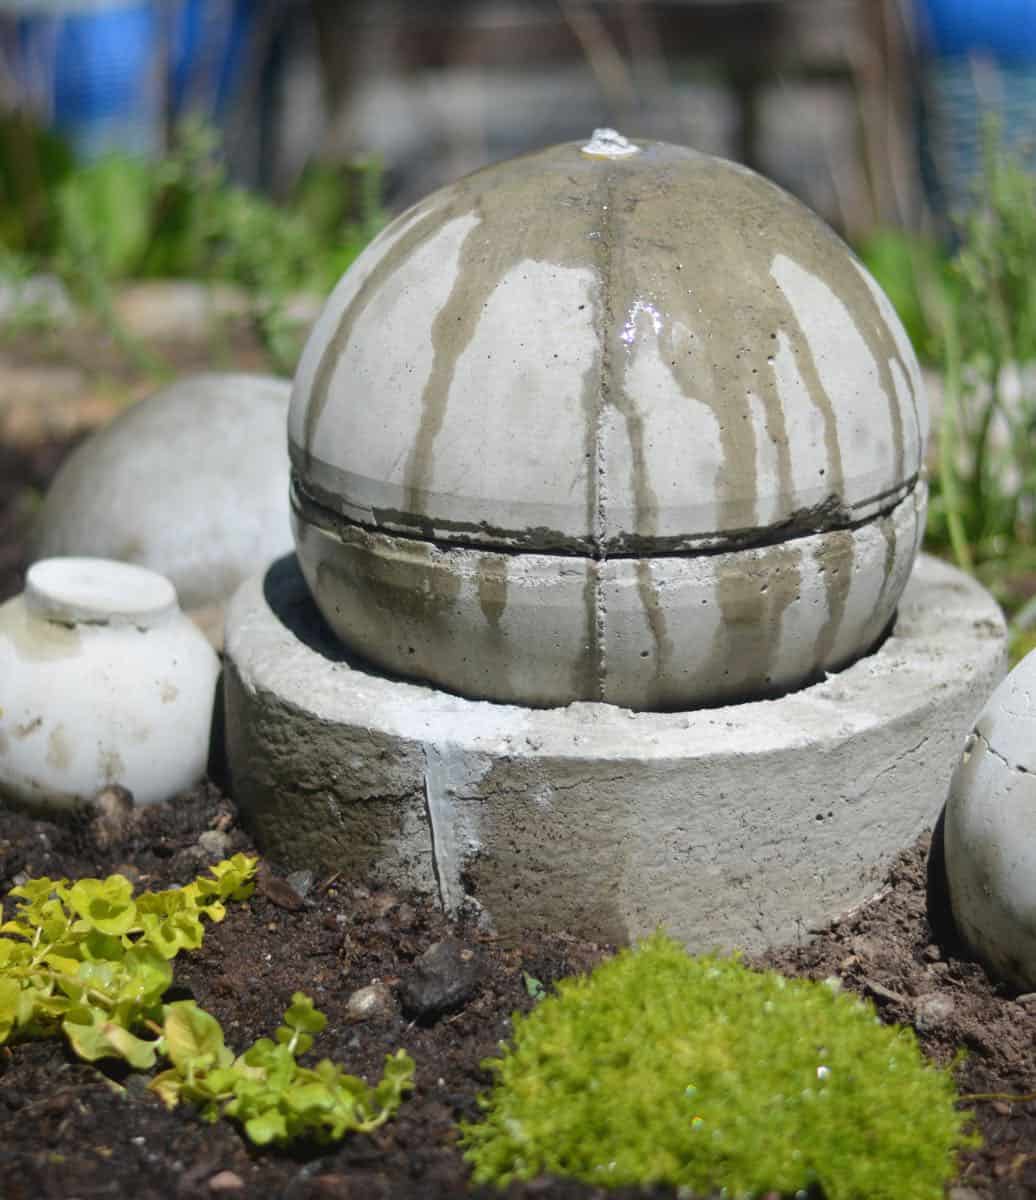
124 216
264 142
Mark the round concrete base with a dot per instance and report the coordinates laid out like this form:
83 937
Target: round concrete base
744 826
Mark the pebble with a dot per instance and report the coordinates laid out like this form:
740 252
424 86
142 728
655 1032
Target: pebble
372 1002
383 903
226 1181
301 882
864 947
356 1186
214 842
190 858
933 1009
444 978
112 809
278 891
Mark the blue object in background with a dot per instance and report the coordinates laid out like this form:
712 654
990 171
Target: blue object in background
209 49
1003 29
107 91
110 74
980 63
89 70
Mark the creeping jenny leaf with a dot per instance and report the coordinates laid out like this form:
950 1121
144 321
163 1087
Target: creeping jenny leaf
93 1036
193 1038
9 993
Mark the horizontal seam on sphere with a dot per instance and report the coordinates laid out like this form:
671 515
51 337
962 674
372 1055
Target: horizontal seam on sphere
759 539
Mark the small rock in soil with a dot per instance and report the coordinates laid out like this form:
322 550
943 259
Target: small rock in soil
370 1003
113 816
214 842
365 1186
278 891
383 903
301 882
226 1181
443 979
933 1009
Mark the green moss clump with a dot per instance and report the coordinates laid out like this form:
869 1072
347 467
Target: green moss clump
665 1068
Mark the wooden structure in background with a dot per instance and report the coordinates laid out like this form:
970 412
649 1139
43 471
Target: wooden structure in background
861 45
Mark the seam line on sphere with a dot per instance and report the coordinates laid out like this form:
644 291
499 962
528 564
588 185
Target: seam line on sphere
598 633
330 519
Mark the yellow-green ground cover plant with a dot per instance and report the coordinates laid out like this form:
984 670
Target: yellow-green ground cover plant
90 960
662 1067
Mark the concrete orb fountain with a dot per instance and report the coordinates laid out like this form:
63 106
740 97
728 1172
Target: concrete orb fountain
607 490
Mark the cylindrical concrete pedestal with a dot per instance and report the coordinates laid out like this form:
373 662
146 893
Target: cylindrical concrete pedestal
740 826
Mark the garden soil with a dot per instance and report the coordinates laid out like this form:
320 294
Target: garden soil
74 1131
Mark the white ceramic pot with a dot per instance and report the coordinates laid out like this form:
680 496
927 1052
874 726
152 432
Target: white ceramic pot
102 680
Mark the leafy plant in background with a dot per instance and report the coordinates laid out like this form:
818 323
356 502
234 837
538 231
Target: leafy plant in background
123 217
660 1067
91 961
972 314
915 273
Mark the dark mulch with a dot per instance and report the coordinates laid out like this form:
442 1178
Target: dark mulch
67 1131
70 1131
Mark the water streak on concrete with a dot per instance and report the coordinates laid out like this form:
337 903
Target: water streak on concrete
834 559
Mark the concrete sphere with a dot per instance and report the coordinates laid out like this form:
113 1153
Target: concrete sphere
618 422
990 832
190 482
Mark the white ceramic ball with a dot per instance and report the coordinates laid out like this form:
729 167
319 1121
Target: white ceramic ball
102 680
191 482
990 832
